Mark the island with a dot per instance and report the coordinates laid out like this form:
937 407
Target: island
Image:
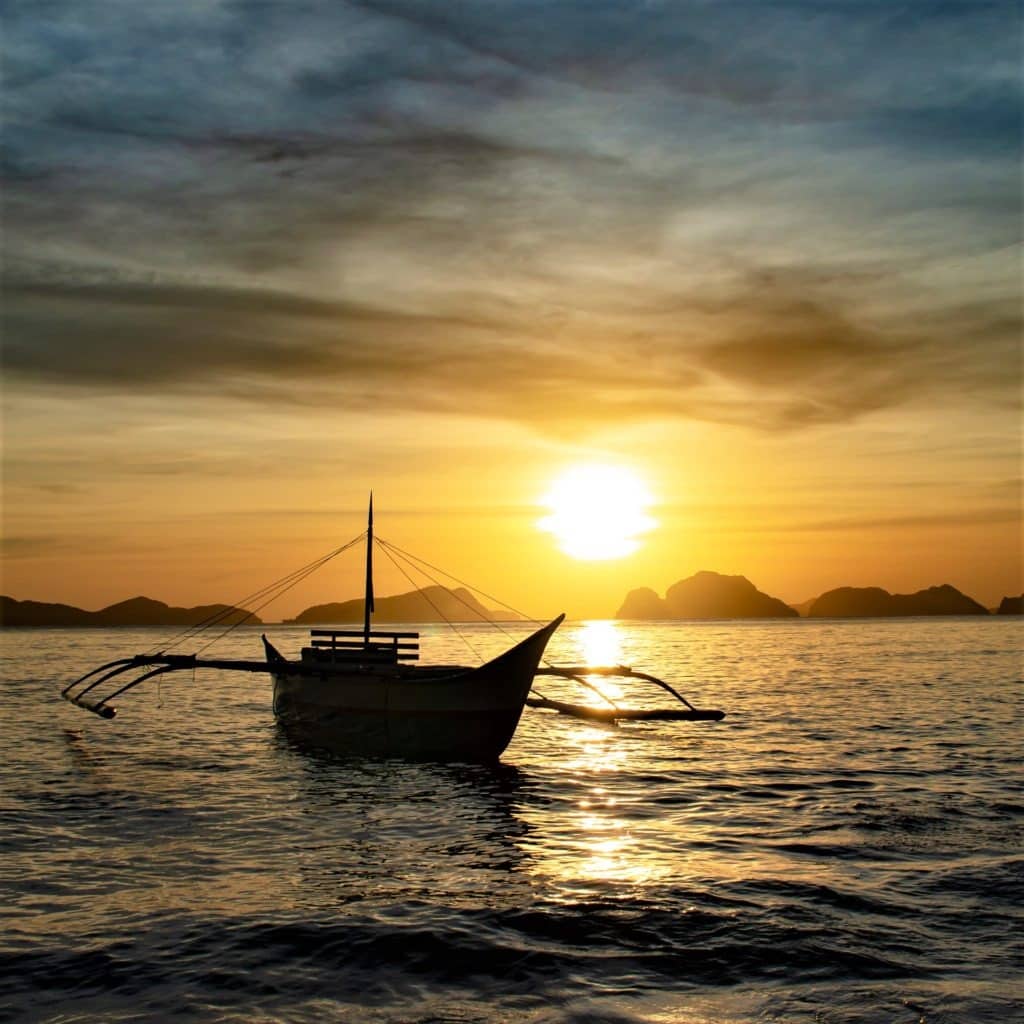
705 595
136 611
874 602
1011 606
431 604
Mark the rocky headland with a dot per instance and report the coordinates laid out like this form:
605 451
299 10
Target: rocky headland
710 595
706 595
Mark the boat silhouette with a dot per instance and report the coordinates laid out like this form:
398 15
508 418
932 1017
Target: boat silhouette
357 692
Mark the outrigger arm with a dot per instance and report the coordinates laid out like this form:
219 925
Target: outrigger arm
160 664
614 713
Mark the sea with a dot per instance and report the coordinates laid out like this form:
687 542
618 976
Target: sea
844 847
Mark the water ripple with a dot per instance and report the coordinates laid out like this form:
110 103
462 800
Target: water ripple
812 858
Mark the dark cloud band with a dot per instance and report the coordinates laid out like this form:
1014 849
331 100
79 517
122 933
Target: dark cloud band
561 214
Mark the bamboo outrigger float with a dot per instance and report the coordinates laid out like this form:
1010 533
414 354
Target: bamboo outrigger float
353 691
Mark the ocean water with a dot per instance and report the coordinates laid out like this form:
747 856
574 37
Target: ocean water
844 847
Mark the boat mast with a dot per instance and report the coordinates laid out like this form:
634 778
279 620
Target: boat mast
368 598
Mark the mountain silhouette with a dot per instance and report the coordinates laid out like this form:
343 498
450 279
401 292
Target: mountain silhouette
1011 606
431 604
136 611
706 595
874 602
643 603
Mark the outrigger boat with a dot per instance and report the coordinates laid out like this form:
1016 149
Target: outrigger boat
354 691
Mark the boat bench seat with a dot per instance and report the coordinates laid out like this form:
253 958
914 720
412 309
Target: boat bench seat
358 655
352 644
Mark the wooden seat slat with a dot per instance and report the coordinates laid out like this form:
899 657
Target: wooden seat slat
358 645
386 656
361 633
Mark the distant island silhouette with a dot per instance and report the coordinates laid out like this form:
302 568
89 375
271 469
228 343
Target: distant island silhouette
706 595
710 595
136 611
431 604
874 602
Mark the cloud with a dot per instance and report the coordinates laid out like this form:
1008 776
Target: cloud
562 215
968 517
782 363
31 547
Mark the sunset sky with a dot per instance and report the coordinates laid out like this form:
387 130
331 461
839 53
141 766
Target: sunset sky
261 258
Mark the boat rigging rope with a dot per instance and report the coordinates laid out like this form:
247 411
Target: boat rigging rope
462 583
469 586
274 590
411 559
476 611
295 579
426 596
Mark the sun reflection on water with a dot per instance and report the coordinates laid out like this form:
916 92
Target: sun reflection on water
601 644
600 841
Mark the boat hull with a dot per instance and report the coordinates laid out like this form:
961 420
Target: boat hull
423 714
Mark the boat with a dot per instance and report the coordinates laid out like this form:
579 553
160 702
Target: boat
358 692
362 699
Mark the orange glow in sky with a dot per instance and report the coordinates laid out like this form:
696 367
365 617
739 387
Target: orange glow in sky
755 319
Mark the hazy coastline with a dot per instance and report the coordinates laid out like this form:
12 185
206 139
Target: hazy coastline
706 595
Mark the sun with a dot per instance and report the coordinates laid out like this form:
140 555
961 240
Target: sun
598 512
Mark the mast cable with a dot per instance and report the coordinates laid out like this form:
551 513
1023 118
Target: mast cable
582 680
490 597
299 577
216 617
424 594
476 611
276 590
463 583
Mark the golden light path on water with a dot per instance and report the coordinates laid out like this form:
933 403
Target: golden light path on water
600 845
601 642
597 843
809 849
